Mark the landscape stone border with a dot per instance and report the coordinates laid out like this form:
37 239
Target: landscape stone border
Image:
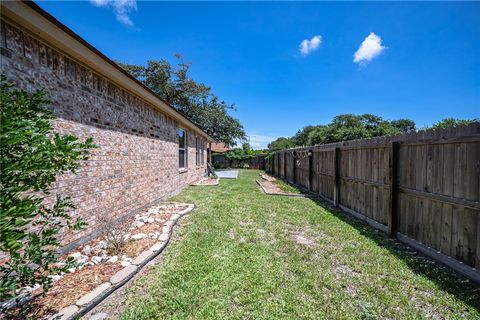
267 177
198 183
91 299
285 194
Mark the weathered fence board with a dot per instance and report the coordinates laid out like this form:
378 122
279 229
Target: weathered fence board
428 188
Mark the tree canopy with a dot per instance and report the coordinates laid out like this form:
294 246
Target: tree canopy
349 126
452 122
194 100
344 127
281 144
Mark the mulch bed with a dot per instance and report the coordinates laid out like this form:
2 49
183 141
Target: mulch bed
71 286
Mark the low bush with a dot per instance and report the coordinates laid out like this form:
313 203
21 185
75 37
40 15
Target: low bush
32 156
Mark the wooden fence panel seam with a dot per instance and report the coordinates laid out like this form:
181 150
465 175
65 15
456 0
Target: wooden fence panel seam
425 185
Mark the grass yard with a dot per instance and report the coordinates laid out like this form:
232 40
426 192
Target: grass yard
242 254
286 187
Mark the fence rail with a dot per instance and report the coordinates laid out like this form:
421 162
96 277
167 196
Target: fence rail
423 185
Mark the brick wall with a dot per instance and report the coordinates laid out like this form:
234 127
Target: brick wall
136 162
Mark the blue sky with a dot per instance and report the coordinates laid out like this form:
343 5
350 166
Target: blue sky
286 65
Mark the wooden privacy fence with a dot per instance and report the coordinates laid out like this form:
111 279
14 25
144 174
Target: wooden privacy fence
256 162
423 185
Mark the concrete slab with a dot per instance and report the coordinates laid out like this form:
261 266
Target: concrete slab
227 174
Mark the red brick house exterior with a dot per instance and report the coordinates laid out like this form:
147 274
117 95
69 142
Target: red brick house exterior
137 160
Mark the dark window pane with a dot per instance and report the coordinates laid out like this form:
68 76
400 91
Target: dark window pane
181 138
181 158
196 151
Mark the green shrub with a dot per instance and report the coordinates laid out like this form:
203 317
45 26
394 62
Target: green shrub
32 155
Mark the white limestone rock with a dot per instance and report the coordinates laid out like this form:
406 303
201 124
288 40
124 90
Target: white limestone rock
87 250
139 224
96 259
113 259
76 255
139 236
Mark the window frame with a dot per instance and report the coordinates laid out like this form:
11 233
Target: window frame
184 149
203 153
197 151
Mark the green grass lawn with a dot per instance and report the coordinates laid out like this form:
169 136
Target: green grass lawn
286 187
242 254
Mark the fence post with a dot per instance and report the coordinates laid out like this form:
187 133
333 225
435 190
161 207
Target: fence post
336 170
294 167
278 164
393 173
285 165
310 169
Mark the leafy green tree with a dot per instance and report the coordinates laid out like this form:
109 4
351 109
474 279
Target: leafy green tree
194 100
32 155
246 147
301 138
349 127
452 122
280 144
404 125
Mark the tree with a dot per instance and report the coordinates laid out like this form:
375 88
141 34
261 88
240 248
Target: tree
194 100
404 125
32 155
281 144
452 122
246 147
301 137
349 127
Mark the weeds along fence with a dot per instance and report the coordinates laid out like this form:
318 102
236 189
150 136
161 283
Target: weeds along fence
423 186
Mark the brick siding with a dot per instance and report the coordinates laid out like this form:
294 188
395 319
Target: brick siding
136 162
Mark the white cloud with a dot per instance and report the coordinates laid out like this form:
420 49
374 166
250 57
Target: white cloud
370 48
121 8
307 46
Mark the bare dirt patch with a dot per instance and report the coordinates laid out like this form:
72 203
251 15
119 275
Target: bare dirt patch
300 238
344 271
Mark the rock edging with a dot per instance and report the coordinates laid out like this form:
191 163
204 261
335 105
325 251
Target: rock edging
285 194
200 183
91 299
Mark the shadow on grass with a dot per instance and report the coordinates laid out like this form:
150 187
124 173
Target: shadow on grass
443 277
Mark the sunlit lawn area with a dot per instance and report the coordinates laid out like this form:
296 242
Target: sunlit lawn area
242 254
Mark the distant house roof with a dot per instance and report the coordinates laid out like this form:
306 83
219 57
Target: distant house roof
220 147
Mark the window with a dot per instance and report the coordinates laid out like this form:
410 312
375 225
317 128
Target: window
197 151
203 153
182 151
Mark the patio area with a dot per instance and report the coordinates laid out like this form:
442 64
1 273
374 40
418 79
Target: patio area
242 254
227 174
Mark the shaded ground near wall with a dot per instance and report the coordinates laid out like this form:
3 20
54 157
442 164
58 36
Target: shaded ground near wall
246 255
